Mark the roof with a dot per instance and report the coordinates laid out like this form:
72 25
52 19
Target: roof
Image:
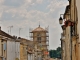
5 34
38 29
67 10
26 41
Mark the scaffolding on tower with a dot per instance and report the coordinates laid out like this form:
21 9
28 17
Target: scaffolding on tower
30 34
47 37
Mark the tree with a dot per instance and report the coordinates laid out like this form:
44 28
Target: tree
55 53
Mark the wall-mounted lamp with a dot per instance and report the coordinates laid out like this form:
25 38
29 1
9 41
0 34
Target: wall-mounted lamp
61 19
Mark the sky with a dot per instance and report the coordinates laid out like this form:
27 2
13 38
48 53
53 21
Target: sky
26 14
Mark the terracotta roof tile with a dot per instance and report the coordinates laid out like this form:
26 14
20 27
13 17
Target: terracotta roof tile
38 29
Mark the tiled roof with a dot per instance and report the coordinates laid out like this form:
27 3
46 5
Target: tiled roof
5 34
38 29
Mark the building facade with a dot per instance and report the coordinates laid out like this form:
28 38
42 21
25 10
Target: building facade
13 49
3 48
78 14
26 49
9 47
72 31
41 42
66 35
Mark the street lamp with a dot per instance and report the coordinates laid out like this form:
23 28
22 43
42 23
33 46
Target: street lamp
61 19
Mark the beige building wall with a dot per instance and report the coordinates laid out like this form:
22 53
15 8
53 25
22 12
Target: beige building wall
64 51
26 49
67 34
40 46
74 48
74 38
3 52
23 49
43 39
0 49
21 52
63 48
75 45
78 10
40 42
73 10
68 42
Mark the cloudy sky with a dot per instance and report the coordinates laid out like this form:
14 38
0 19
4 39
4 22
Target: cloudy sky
27 14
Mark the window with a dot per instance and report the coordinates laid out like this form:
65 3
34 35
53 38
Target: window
39 39
4 46
2 49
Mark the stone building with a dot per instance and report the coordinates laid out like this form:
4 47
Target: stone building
63 45
4 37
40 40
26 49
75 32
66 35
78 29
72 31
3 49
9 47
23 49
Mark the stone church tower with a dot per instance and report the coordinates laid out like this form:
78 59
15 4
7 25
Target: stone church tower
40 38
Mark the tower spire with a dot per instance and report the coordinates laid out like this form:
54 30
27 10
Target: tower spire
39 24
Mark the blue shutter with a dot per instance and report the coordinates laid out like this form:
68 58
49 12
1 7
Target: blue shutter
4 46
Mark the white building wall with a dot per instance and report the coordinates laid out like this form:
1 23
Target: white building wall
17 50
13 50
10 50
